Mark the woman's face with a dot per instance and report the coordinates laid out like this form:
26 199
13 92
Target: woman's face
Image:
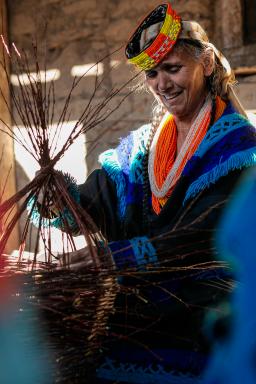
179 83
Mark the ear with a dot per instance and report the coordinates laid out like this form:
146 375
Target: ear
208 62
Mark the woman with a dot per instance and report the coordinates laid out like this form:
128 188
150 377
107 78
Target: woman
157 200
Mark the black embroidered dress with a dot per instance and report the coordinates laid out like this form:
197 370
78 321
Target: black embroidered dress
156 334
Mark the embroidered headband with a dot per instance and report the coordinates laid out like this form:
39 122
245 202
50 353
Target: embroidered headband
157 34
154 38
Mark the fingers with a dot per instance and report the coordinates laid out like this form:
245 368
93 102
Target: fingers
77 259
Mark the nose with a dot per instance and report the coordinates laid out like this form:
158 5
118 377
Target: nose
164 82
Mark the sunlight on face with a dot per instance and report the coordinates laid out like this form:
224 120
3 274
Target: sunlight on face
179 83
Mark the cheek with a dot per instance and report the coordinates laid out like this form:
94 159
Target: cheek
184 80
199 79
196 85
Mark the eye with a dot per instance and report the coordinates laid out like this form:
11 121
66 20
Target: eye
151 74
172 68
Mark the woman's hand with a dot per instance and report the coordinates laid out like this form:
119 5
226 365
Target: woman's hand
85 258
77 259
48 201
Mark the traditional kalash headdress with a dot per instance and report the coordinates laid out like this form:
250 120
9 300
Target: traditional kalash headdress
156 36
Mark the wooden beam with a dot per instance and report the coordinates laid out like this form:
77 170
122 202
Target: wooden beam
245 71
7 163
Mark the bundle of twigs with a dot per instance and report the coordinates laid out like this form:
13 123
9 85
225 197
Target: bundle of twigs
34 105
74 305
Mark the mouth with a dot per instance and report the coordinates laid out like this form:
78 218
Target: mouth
171 96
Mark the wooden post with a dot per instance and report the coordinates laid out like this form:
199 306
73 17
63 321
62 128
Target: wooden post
7 162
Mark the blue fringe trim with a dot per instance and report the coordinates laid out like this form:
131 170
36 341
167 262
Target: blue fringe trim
132 373
136 170
131 148
236 161
224 125
110 163
65 216
140 138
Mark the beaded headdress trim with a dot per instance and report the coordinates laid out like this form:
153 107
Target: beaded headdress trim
168 33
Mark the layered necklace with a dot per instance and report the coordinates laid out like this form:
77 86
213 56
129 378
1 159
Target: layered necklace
164 167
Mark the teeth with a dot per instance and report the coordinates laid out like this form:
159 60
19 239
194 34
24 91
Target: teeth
171 97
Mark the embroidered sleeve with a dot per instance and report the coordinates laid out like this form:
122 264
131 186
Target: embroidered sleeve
134 253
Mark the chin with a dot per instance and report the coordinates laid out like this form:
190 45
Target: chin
174 110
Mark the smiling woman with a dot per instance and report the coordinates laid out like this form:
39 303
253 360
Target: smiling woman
157 200
179 82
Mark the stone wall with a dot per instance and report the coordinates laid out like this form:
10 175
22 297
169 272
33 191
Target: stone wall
229 36
246 90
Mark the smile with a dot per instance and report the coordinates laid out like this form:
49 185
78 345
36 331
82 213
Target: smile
172 96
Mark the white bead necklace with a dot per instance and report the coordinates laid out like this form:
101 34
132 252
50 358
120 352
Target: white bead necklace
194 130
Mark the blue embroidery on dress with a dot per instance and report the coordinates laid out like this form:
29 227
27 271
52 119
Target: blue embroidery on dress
122 253
224 149
132 373
143 250
137 252
224 125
